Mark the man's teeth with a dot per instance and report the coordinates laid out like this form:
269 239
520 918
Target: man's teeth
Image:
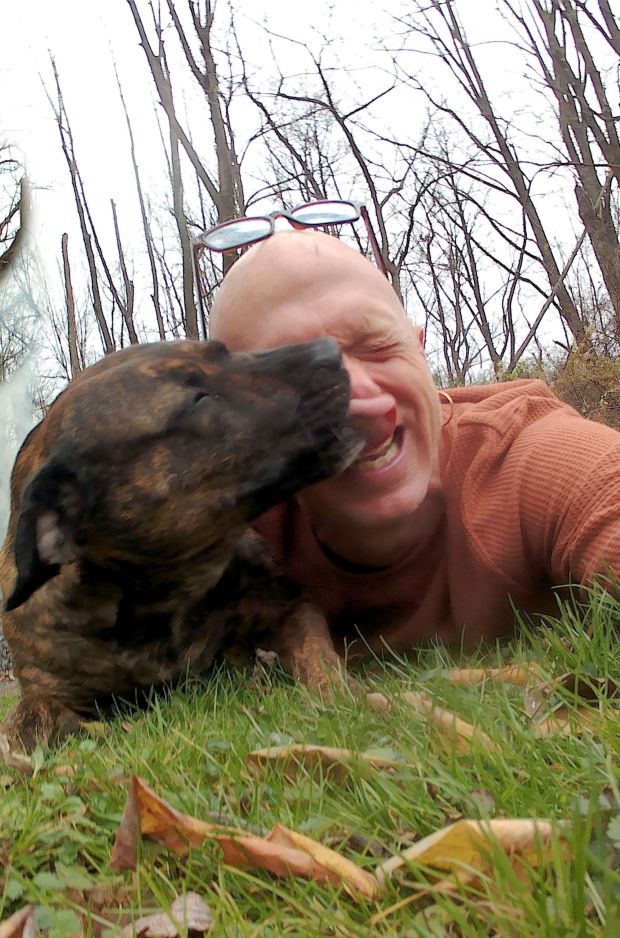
379 458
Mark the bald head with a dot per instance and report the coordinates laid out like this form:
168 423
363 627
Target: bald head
296 286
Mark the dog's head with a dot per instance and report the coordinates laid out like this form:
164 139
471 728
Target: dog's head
160 452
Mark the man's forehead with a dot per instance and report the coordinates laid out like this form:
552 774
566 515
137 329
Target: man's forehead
300 285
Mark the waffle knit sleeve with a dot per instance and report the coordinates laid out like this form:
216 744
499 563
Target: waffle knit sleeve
566 471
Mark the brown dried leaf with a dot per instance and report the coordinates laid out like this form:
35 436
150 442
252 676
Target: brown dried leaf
484 800
377 702
587 687
568 722
64 771
334 763
282 852
285 852
190 911
20 925
455 732
124 852
520 675
466 844
16 760
148 814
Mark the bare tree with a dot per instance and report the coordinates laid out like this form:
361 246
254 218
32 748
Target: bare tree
13 207
439 24
585 116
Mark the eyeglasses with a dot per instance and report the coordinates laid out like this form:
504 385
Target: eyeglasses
241 232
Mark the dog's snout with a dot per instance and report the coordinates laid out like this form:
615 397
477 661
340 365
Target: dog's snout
321 353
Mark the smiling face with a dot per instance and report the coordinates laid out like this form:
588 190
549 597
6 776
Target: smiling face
297 286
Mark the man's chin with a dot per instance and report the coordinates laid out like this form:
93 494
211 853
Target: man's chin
334 501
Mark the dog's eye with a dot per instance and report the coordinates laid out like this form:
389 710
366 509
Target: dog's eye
204 395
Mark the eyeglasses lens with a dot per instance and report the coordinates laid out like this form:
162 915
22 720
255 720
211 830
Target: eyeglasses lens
241 232
325 213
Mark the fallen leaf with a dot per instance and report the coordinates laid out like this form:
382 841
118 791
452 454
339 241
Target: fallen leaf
147 813
285 852
353 878
190 911
561 720
456 733
484 800
567 721
464 847
334 763
520 675
16 760
282 851
269 659
377 702
66 771
588 687
20 925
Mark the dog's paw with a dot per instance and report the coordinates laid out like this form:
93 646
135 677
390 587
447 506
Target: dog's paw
326 676
37 721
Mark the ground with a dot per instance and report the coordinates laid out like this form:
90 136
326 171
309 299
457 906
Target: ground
57 826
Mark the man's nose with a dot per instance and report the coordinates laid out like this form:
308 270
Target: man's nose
367 397
372 410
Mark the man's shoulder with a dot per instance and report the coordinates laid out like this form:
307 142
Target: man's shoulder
504 410
498 425
486 398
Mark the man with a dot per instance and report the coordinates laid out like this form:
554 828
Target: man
460 505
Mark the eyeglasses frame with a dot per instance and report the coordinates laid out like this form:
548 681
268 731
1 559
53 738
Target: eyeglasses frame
198 246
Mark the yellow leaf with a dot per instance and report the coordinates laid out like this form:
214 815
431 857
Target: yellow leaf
467 844
353 877
456 733
520 675
333 762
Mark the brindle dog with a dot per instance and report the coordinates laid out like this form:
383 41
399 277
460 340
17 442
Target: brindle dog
127 561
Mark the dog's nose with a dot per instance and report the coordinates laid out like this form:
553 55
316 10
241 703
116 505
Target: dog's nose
323 352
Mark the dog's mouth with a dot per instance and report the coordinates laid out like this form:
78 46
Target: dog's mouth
313 441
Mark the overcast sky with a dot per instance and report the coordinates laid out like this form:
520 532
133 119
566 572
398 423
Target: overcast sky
85 36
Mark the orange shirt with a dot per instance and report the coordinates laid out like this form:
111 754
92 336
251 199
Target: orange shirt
532 499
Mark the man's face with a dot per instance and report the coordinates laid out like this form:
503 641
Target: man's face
299 286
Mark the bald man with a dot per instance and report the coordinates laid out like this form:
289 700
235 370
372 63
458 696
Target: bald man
460 505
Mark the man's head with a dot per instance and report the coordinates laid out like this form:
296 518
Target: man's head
297 286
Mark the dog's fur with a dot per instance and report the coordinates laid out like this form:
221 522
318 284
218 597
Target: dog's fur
127 561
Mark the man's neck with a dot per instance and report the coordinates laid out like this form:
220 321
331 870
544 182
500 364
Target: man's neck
378 547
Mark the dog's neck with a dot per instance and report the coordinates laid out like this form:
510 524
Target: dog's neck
149 583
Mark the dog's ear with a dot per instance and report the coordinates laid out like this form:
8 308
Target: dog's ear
47 529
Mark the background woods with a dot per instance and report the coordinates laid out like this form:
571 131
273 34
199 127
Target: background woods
484 144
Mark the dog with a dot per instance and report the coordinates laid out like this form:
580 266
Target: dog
128 562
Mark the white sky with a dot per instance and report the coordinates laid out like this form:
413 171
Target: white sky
84 34
82 37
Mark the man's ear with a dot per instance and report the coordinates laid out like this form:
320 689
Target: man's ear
419 331
47 529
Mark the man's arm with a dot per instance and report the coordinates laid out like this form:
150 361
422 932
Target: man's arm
568 472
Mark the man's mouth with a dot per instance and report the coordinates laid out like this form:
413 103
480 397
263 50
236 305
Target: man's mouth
382 455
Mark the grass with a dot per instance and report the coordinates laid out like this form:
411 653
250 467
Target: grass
56 829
